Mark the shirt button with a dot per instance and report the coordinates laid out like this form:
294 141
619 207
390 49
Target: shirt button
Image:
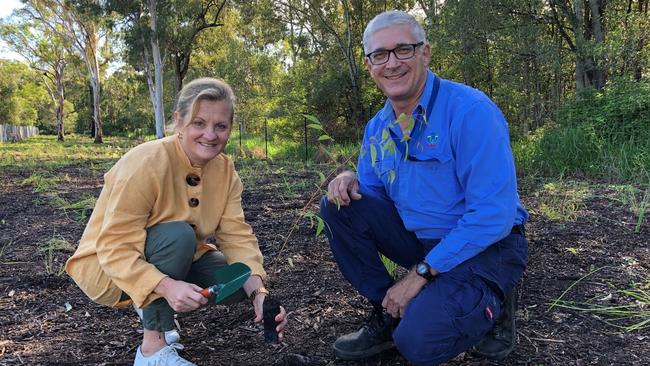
194 202
193 180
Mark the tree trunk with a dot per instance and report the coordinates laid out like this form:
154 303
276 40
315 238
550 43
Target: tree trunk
158 77
597 73
60 91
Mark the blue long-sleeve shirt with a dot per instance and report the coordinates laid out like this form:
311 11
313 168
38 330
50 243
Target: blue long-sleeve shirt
452 178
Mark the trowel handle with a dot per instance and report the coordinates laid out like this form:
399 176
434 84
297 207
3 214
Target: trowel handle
208 292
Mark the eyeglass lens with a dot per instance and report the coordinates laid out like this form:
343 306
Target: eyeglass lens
402 52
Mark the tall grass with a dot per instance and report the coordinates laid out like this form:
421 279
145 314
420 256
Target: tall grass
603 134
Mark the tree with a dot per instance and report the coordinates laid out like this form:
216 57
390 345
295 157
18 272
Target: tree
80 24
46 54
192 18
581 24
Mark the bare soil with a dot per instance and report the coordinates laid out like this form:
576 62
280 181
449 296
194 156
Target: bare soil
46 320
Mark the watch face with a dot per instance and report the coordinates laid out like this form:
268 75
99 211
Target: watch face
422 269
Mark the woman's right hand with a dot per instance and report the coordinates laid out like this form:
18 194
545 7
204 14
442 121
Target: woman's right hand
180 295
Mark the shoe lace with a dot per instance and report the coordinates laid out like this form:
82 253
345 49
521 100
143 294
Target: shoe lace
169 357
375 321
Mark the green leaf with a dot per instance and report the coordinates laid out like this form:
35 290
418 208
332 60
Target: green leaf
321 177
401 118
315 126
373 155
325 137
320 226
391 176
311 118
384 135
409 127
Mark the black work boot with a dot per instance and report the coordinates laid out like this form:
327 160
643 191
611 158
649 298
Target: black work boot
499 341
375 336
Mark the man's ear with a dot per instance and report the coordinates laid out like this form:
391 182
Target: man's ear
366 62
426 53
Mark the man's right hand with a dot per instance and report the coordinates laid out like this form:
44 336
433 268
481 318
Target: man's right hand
343 189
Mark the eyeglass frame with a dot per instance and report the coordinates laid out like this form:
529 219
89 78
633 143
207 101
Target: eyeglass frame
413 45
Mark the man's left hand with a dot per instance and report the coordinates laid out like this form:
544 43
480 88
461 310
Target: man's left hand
400 294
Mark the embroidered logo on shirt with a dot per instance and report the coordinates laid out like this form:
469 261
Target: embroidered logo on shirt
432 141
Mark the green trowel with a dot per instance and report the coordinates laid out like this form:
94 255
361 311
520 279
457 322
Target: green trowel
227 280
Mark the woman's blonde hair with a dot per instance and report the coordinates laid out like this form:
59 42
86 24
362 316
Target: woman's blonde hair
202 89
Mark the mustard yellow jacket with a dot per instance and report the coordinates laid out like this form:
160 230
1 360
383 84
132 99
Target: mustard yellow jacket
148 186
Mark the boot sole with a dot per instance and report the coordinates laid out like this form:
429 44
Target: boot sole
497 356
350 356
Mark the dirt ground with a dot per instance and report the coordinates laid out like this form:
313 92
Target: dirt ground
46 320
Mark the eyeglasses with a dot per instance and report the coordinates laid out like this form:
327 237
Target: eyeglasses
401 52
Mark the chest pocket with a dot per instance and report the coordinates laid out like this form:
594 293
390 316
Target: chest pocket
432 181
386 172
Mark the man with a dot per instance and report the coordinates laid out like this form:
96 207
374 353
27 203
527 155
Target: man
436 193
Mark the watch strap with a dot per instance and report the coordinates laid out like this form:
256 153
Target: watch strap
261 290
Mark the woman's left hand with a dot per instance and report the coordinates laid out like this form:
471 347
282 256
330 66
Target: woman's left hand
280 318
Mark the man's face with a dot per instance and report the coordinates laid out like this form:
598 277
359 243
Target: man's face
400 80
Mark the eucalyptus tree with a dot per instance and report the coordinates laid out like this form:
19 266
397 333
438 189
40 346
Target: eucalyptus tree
81 25
156 29
323 39
46 53
146 46
581 25
190 19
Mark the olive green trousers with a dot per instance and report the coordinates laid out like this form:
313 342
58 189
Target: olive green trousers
170 247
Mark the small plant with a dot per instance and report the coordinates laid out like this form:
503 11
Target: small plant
637 201
632 315
572 250
39 182
56 244
320 223
2 250
82 207
560 201
391 266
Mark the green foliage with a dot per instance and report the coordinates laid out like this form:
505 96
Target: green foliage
39 182
598 134
54 265
44 153
562 201
23 96
319 222
126 107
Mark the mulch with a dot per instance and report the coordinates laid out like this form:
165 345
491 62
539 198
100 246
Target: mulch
46 320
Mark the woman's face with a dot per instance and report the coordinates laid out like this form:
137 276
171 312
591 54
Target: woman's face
206 135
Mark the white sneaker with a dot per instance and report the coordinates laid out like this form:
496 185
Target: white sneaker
167 356
171 336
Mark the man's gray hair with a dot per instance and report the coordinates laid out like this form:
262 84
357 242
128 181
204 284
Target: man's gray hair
388 19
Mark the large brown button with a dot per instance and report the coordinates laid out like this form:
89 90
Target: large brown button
193 180
194 202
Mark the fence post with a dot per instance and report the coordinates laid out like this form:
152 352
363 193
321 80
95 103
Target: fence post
241 132
305 119
266 139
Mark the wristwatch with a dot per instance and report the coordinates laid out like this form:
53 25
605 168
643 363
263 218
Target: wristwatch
423 269
261 290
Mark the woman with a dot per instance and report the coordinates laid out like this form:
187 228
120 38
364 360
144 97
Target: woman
145 241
